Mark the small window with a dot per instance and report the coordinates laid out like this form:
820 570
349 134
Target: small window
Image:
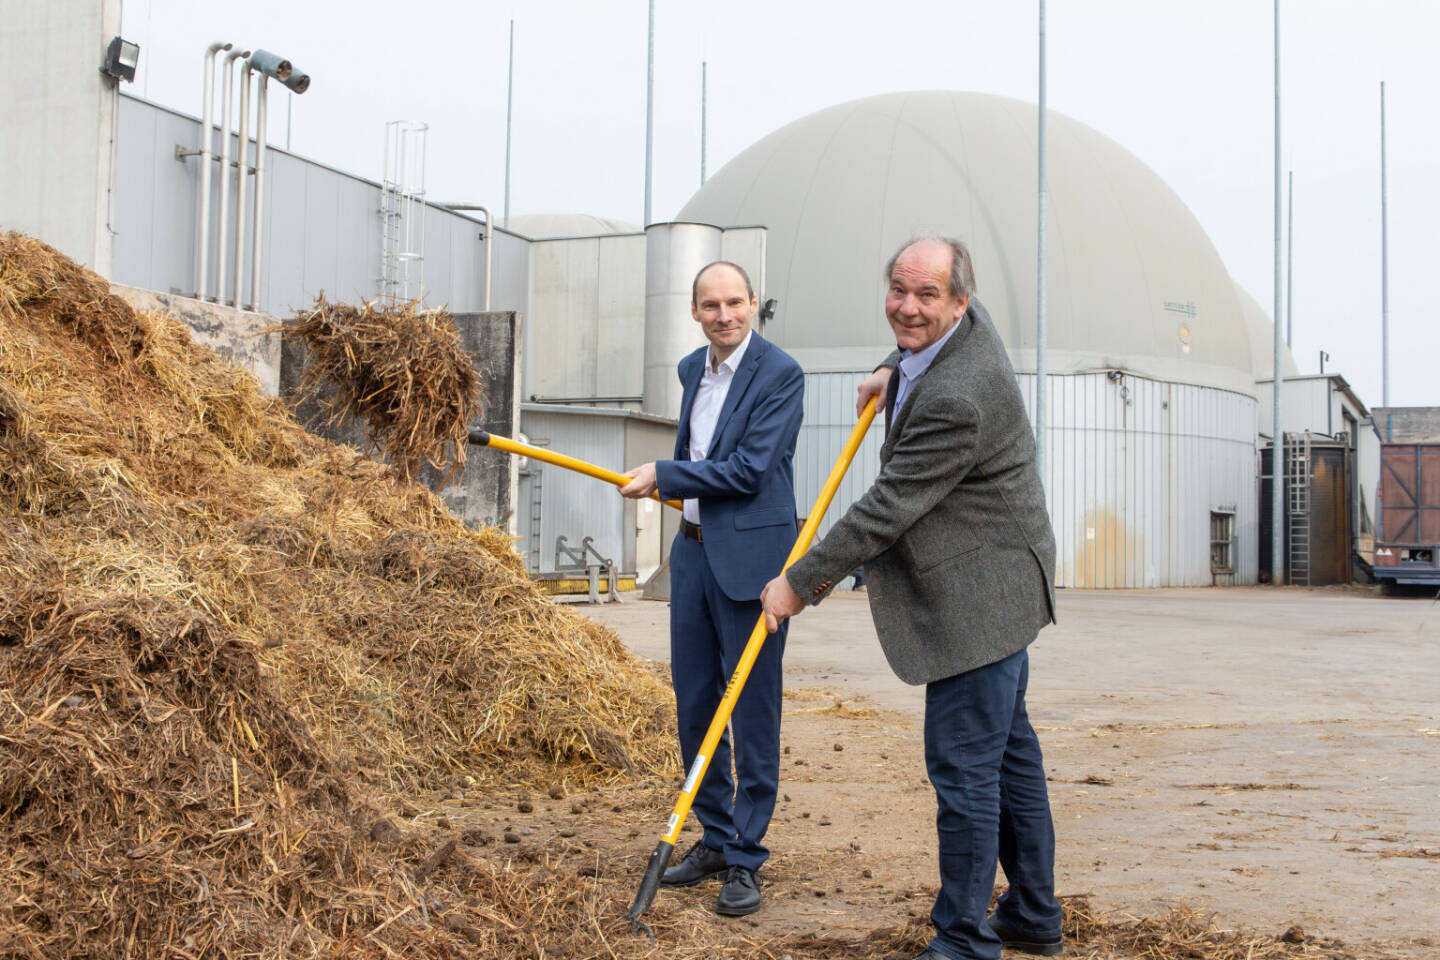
1222 542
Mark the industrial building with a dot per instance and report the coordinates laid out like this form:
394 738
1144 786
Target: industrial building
1159 367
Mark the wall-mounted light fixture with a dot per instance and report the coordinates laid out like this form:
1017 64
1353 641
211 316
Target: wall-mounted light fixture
767 312
121 59
268 65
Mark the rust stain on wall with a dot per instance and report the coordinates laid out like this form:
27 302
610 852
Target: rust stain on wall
1105 544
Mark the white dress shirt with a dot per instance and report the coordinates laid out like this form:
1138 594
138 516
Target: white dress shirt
705 411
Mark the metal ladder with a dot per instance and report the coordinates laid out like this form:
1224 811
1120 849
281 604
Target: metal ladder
1297 484
537 479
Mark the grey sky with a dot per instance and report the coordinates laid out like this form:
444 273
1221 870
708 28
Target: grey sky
1187 87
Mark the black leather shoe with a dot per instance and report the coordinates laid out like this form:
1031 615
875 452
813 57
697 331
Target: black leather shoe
740 895
930 953
699 863
1013 939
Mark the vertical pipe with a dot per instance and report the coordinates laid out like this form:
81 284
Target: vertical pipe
1040 331
256 231
289 102
509 101
207 153
649 110
1290 264
1384 264
488 240
703 92
1277 453
227 113
241 171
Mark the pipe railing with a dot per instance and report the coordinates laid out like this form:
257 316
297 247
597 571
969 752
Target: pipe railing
257 229
242 170
227 118
267 65
207 154
489 239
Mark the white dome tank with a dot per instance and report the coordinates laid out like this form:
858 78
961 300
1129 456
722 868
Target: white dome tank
1134 282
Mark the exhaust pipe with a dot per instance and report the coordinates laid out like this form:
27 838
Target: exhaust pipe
242 170
268 65
271 64
258 227
227 114
202 223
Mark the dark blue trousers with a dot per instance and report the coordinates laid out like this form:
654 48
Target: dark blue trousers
708 632
984 761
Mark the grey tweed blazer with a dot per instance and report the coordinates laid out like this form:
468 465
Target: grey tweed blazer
954 535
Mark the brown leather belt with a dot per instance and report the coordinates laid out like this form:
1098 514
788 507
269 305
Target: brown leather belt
691 530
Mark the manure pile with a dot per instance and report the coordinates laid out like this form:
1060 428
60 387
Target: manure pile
397 369
226 646
231 652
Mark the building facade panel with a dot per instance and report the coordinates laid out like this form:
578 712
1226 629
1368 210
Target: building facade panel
829 420
326 221
555 502
1136 467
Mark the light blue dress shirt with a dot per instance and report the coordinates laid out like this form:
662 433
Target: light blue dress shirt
914 365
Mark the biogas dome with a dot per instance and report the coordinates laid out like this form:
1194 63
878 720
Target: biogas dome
1151 386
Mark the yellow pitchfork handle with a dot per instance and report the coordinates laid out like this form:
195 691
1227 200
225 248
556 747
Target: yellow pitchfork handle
484 439
660 859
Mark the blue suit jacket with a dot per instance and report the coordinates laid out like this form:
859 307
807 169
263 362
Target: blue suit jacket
746 485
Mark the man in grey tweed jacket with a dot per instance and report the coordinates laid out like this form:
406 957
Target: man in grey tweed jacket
958 554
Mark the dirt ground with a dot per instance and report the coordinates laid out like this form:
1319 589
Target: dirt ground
1271 756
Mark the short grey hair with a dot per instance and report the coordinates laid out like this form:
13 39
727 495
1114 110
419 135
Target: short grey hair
962 271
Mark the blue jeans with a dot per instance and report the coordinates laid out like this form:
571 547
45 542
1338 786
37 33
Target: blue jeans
708 632
984 761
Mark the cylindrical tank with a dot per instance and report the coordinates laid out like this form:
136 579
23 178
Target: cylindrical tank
674 253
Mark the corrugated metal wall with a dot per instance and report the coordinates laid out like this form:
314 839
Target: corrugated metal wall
1136 468
322 227
588 318
571 504
829 419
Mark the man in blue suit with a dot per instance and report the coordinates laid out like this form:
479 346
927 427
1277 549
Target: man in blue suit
739 419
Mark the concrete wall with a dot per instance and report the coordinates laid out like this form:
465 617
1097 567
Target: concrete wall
484 493
241 337
58 117
1408 424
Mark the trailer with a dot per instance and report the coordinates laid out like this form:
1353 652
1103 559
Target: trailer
1407 541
